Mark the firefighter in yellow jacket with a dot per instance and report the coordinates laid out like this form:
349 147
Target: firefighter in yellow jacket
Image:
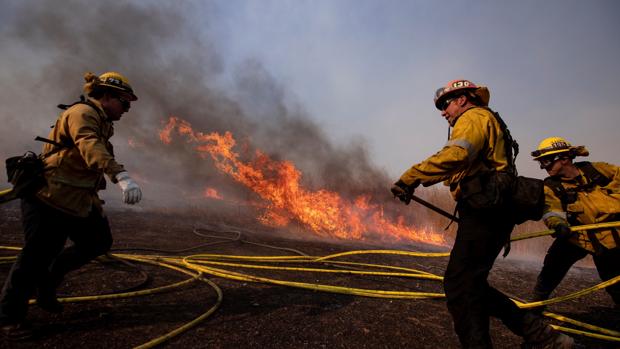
77 156
578 193
478 153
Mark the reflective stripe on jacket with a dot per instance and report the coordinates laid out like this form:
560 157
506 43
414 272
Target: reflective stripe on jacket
601 204
74 174
476 144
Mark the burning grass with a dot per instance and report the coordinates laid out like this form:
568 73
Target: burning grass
280 188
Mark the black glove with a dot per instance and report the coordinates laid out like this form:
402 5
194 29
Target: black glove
562 231
402 191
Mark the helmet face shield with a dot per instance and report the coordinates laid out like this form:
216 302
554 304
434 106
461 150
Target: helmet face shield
547 161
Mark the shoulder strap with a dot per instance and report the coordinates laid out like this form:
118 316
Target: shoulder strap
558 189
83 100
569 196
60 146
511 146
57 146
593 175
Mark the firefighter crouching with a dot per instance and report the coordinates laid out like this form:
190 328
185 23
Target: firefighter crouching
578 193
478 154
67 206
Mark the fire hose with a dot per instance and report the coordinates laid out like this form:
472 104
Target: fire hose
198 265
7 195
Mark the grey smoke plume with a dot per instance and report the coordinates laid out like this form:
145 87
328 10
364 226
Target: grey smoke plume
48 45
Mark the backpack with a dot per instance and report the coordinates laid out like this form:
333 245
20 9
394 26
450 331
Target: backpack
525 195
25 172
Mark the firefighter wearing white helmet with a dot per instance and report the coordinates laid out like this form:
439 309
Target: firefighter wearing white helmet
77 156
477 158
578 193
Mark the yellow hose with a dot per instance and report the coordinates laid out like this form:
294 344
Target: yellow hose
199 262
577 294
587 334
124 294
220 296
7 195
318 287
584 227
197 265
565 319
396 252
155 261
320 270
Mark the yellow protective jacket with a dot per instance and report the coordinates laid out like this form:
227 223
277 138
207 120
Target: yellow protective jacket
475 145
74 173
601 204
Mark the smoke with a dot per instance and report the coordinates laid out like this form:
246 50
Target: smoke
173 63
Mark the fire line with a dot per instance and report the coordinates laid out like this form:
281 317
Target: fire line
278 183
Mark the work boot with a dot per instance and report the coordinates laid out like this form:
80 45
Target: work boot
537 297
46 300
538 335
17 331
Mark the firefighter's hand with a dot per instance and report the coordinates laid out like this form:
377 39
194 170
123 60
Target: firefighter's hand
402 191
562 231
131 191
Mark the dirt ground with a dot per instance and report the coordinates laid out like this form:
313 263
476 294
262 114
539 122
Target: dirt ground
254 315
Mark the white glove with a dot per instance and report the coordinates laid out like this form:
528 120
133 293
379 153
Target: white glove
131 191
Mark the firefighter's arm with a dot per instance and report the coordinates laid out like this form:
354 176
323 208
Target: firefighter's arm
436 168
554 216
467 139
84 129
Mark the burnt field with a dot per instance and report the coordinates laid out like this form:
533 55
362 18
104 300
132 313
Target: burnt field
259 315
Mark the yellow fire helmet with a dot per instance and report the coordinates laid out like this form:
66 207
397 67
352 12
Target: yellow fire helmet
455 86
558 145
109 80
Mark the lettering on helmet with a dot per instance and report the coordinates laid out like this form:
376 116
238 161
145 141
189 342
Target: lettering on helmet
559 145
461 83
113 81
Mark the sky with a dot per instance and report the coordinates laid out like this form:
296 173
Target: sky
369 68
320 83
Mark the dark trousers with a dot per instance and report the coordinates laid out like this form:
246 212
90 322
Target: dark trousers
471 300
44 260
560 258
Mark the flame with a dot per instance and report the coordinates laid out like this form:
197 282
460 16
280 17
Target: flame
212 193
324 212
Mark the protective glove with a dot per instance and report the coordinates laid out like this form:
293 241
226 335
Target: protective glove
402 191
131 191
562 231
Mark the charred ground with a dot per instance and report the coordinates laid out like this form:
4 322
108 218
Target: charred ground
265 316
